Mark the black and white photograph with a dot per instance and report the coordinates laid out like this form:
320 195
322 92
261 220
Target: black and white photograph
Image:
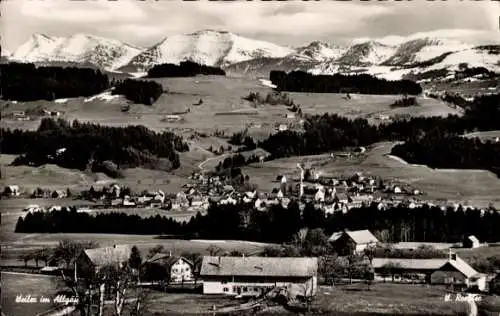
168 157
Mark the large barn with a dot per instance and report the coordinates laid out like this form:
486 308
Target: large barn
348 242
91 261
448 271
253 276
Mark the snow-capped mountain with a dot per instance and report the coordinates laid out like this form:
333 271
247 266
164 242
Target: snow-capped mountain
208 47
367 53
321 51
79 48
238 55
424 49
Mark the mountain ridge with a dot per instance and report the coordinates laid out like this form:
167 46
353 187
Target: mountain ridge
241 55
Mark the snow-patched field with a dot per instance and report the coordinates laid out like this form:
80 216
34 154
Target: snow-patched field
105 96
267 83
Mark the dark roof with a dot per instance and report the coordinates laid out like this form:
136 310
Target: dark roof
109 255
259 266
410 264
167 259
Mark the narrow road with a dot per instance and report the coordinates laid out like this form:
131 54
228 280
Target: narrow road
200 166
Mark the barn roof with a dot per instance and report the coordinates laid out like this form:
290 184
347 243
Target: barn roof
109 255
259 266
166 259
358 236
473 239
410 264
463 267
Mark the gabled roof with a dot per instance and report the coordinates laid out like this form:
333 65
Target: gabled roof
335 236
463 267
358 236
109 255
259 266
410 264
362 236
166 259
473 239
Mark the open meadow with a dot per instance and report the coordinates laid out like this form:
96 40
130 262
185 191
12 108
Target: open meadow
223 107
474 187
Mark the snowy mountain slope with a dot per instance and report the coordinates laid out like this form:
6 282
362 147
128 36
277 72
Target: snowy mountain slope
368 53
79 48
423 49
261 67
321 51
211 48
248 57
474 57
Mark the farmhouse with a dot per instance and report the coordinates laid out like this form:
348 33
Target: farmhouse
174 269
447 271
91 261
457 272
253 276
12 190
348 242
471 242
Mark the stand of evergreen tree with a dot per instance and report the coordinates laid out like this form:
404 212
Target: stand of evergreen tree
26 82
280 225
139 91
300 81
184 69
439 151
91 144
329 132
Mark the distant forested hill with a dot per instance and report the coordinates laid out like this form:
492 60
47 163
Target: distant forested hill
184 69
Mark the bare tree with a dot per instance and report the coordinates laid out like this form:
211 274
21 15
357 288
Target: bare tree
214 250
329 268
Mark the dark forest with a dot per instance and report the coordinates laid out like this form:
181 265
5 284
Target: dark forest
280 225
139 91
184 69
299 81
26 82
87 145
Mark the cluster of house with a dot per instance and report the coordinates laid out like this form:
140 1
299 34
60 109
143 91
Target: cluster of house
451 270
22 116
255 275
237 276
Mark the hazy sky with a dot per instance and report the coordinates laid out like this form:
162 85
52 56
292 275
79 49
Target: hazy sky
287 23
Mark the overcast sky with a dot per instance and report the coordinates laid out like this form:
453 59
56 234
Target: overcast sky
286 23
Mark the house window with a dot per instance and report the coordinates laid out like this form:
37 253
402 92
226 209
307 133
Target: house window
245 289
226 289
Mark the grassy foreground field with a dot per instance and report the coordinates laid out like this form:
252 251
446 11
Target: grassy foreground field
474 187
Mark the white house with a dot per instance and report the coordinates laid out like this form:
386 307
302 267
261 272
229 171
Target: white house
253 276
472 242
178 269
282 127
12 190
348 242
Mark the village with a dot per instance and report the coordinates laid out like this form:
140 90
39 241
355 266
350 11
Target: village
329 193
